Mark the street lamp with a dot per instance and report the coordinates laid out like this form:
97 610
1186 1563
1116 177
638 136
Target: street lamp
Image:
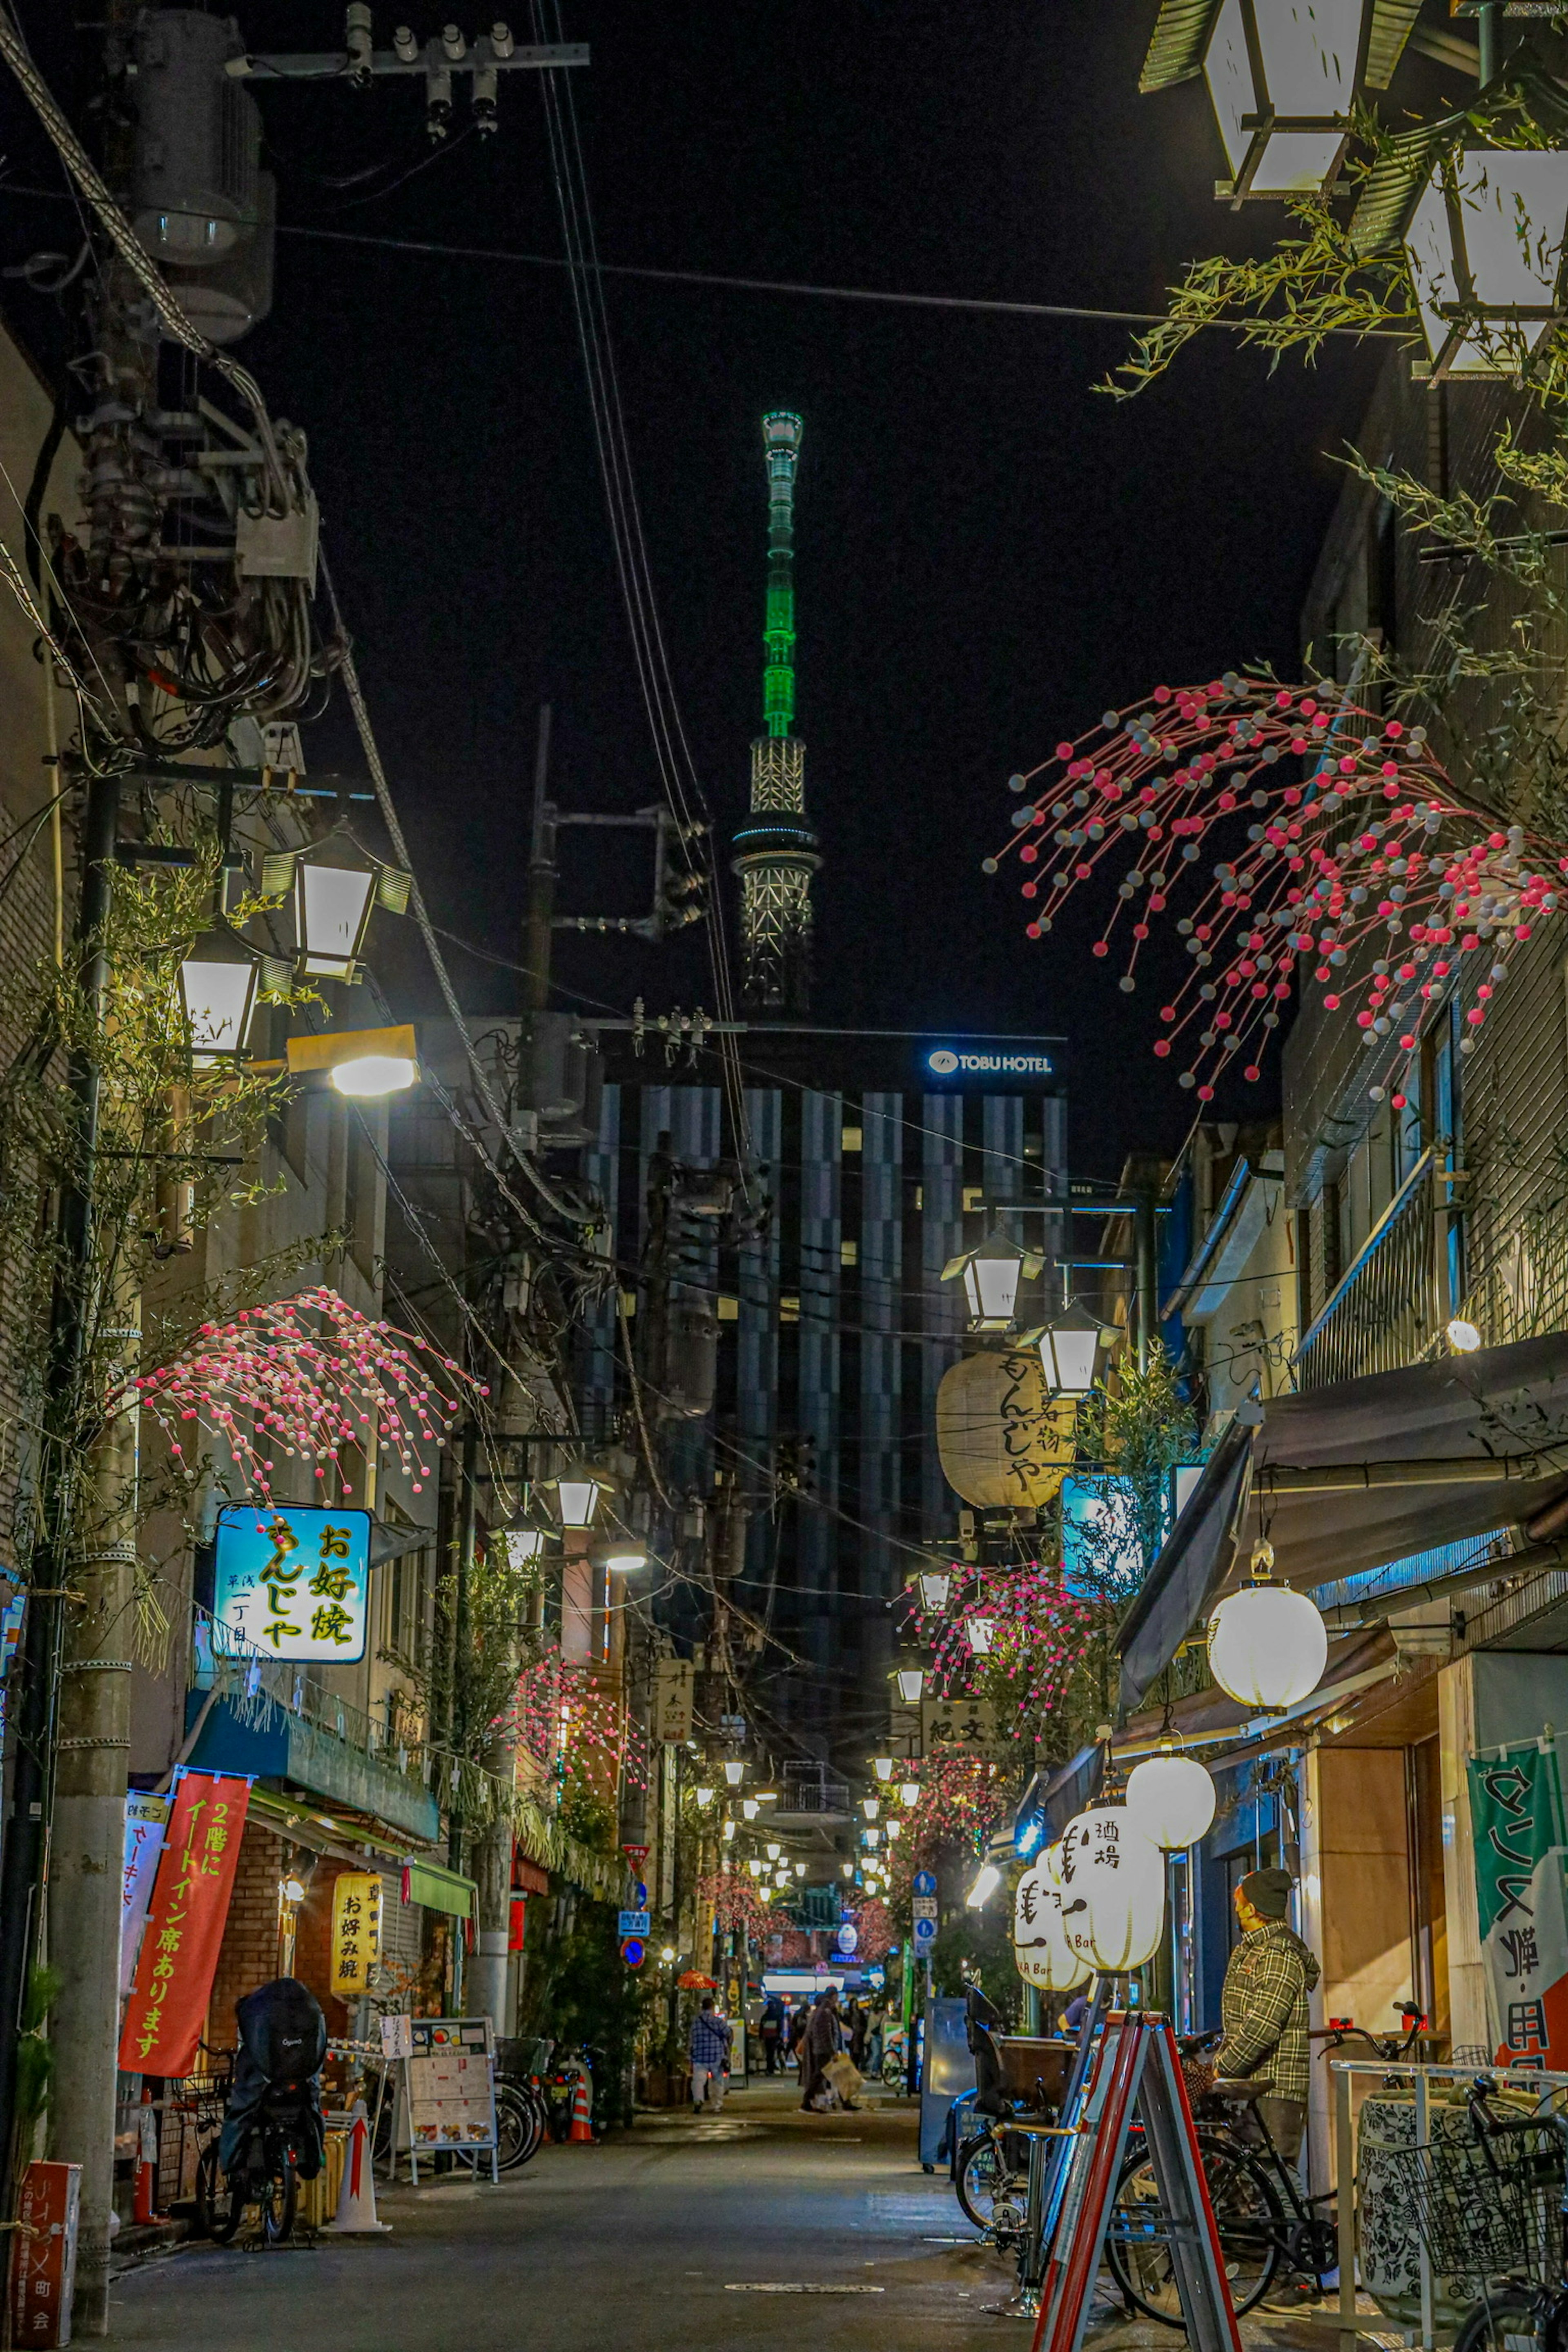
621 1555
935 1584
578 1494
1462 1336
982 1632
704 1798
870 1839
909 1792
363 1063
728 1831
1069 1346
991 1277
217 995
848 1869
334 892
912 1682
871 1807
1485 247
1283 77
894 1831
800 1870
751 1808
985 1885
524 1545
735 1770
883 1766
773 1849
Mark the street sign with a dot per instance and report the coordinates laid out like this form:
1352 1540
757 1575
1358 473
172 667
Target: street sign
925 1882
925 1906
633 1952
635 1923
672 1690
924 1937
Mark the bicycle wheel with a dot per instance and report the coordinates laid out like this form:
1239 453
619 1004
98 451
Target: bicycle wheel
1247 2215
984 2182
280 2198
893 2070
1509 2319
220 2207
520 2127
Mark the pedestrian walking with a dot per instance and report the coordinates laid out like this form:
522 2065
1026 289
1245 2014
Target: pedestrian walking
799 2019
824 2040
1263 2006
859 2032
772 2031
710 2038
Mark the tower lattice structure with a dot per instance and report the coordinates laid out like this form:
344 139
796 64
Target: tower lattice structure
775 849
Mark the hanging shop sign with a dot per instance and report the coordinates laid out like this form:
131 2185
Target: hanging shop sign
146 1819
356 1931
1517 1822
966 1727
292 1580
672 1688
1003 1439
185 1920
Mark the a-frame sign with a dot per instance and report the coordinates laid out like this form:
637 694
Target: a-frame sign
1138 2072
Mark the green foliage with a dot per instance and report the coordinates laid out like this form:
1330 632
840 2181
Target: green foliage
983 1940
35 2052
577 1989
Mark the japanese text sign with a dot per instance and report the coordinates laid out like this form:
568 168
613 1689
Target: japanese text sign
672 1688
966 1724
1516 1820
185 1920
293 1581
146 1819
43 2268
356 1931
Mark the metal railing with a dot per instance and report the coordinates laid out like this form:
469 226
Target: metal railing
1388 1309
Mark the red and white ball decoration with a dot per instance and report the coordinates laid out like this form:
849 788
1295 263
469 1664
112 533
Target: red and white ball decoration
1353 852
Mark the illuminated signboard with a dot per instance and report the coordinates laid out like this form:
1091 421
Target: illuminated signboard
293 1581
961 1062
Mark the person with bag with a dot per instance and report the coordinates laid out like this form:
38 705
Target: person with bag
823 2040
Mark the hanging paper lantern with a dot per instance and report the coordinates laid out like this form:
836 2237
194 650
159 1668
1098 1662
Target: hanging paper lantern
1171 1800
1049 1864
1268 1645
1041 1949
1112 1889
1002 1440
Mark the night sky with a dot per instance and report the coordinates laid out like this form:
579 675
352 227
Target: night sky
989 552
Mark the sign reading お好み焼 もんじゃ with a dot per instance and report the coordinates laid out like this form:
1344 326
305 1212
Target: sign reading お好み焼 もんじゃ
185 1920
292 1580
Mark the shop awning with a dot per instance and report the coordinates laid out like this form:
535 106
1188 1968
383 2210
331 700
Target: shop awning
1347 1478
440 1890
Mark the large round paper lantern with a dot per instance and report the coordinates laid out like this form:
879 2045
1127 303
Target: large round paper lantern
1112 1889
1171 1800
1268 1645
1041 1949
1002 1439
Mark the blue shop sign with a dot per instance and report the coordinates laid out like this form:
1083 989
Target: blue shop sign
293 1581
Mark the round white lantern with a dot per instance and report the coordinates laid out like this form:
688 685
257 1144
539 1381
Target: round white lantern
1049 1864
1112 1890
1171 1800
1041 1949
1268 1645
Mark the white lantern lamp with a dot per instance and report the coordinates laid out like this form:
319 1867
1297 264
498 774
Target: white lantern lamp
735 1770
1069 1350
773 1849
218 982
578 1494
1283 77
883 1766
912 1683
1268 1645
1041 1949
1485 248
871 1807
909 1793
981 1631
524 1545
991 1277
1112 1881
1172 1798
333 893
935 1585
704 1797
750 1807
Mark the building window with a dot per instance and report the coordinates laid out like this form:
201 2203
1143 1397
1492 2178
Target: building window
789 1307
850 1140
848 1252
728 1307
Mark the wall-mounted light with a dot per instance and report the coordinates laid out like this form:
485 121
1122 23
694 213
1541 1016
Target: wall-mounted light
218 983
735 1770
912 1682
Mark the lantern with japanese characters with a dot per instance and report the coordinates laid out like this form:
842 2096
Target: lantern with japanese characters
1041 1949
1112 1890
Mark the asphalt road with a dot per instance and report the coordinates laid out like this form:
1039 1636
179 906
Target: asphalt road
675 2235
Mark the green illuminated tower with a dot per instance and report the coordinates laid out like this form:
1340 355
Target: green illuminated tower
775 850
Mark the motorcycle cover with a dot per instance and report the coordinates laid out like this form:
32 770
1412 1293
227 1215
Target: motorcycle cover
282 2041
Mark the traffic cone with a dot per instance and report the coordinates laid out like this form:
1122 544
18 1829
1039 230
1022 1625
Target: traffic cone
145 2208
356 2198
581 2131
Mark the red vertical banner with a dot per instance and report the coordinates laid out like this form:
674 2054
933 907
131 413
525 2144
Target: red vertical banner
185 1920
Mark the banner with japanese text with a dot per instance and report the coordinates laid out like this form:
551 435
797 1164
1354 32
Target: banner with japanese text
146 1820
1516 1820
185 1920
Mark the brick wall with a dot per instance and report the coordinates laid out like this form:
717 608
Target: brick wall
249 1953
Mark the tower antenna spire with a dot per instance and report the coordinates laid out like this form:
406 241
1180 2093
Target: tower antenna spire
775 850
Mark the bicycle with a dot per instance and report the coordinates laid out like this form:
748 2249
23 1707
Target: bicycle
1265 2224
1486 2212
264 2174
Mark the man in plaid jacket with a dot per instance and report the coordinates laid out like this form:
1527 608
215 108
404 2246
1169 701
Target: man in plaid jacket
1263 2007
710 2038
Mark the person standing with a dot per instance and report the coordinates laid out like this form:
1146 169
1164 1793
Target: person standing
824 2040
1263 2006
710 2043
859 2032
772 2031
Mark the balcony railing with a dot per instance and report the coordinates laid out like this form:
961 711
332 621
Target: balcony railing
1388 1309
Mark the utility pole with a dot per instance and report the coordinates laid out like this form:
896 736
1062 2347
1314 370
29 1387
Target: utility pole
1145 1253
85 1926
542 870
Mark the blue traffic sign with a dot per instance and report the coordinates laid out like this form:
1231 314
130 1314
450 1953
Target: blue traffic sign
925 1936
925 1882
635 1923
633 1953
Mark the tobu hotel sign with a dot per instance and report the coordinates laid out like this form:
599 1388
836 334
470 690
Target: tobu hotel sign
292 1580
997 1059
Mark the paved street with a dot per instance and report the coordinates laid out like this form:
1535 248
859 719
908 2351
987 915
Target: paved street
681 2233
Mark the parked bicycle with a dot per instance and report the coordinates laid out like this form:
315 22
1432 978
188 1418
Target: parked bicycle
523 2114
1495 2209
272 2136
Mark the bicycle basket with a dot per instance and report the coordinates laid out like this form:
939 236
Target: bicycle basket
1483 2211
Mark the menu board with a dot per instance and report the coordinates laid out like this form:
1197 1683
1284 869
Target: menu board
452 2090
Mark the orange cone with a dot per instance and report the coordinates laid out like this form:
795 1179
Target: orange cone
581 2131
